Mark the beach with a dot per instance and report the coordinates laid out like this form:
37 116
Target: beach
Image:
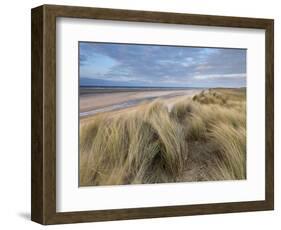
95 102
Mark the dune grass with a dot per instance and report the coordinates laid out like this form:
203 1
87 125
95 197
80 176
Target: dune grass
151 144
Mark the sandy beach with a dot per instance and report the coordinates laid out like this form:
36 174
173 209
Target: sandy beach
94 103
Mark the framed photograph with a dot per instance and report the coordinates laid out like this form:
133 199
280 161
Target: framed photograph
141 114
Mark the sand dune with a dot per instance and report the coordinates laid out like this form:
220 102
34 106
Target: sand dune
199 138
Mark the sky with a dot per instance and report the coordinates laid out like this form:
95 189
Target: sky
111 64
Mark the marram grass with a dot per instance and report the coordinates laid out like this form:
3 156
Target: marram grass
150 144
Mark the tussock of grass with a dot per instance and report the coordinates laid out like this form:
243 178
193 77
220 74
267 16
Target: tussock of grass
182 109
150 145
197 128
232 144
135 148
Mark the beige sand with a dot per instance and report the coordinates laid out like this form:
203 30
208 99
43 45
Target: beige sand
101 100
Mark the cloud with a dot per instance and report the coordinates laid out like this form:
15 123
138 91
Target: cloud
150 65
220 76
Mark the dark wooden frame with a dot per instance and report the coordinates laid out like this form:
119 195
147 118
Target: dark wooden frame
43 188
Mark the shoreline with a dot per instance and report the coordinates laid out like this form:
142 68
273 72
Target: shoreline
96 103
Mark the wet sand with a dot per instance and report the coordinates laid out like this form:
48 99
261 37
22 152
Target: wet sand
94 103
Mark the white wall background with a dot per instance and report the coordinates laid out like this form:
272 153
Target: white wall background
15 113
